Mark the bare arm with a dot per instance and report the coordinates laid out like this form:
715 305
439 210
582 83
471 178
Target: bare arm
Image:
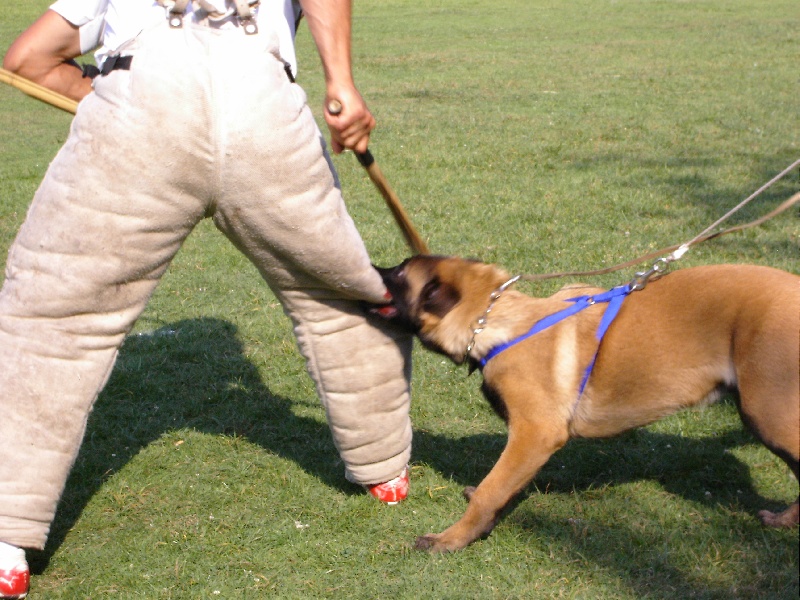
44 54
330 24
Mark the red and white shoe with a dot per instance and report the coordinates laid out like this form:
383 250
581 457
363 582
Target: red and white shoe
15 576
393 491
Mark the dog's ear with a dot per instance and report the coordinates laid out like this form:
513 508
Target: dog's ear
438 298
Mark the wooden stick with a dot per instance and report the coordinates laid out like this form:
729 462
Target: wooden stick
410 233
38 91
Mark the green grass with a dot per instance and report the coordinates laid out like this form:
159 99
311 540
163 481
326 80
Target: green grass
538 134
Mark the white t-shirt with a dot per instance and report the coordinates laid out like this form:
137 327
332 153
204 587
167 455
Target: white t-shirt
111 23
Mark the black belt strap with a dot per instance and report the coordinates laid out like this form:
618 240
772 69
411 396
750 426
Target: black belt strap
116 63
288 68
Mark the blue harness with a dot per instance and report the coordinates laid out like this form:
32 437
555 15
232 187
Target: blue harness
613 297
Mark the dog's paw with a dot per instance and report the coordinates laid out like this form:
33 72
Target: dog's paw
788 518
430 543
468 491
425 542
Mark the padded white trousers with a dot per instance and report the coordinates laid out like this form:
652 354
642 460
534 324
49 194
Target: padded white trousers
204 124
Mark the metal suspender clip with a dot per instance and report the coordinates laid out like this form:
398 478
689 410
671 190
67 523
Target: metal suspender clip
246 19
175 20
175 10
249 25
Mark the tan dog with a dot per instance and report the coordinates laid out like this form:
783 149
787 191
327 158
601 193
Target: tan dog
673 344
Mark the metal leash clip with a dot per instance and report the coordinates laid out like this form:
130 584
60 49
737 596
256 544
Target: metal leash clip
642 277
660 266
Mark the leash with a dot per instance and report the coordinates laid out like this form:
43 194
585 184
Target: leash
615 296
676 252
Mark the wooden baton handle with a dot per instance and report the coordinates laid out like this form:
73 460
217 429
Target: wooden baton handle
410 233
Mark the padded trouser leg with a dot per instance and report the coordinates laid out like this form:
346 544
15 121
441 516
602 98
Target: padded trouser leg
77 277
362 373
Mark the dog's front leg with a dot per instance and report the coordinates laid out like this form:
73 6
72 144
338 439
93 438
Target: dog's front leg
529 446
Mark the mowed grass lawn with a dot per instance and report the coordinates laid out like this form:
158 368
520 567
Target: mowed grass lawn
544 136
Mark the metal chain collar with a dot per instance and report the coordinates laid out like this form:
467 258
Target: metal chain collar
480 324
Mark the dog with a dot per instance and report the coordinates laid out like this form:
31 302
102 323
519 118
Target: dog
678 341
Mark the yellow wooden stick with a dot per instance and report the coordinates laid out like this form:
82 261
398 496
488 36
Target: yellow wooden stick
38 91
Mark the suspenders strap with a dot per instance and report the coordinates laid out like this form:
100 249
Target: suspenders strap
242 8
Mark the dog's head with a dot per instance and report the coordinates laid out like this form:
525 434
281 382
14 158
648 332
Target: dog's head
440 298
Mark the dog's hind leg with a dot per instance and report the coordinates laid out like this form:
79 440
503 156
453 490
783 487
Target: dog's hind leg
769 404
779 432
529 446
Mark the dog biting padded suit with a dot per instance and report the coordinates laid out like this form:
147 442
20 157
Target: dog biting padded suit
206 123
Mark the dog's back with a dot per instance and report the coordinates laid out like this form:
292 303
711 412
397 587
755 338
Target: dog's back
698 329
690 333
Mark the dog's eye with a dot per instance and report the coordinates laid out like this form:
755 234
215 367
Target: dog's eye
429 291
438 298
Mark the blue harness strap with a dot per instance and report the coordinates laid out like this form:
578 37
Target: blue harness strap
614 297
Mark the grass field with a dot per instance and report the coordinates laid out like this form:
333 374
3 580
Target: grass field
544 136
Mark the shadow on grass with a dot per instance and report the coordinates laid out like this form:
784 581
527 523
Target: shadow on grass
193 374
187 375
647 557
700 470
682 179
